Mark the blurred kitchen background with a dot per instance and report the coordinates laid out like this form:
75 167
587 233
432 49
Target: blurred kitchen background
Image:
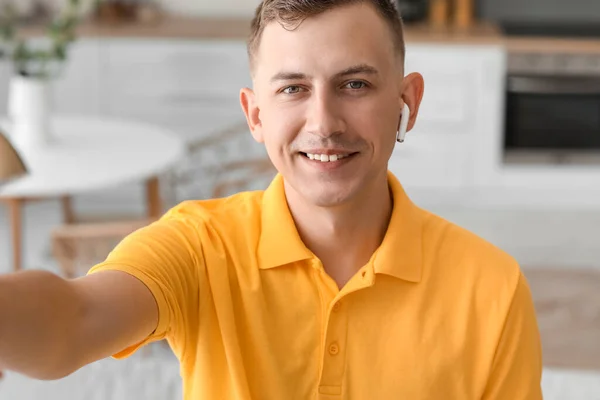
507 145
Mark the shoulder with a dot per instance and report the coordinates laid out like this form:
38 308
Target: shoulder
239 211
468 263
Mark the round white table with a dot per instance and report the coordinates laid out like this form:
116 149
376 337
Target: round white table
90 153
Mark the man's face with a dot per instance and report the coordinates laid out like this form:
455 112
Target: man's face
327 102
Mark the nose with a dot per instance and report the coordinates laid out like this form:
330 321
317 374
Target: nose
324 115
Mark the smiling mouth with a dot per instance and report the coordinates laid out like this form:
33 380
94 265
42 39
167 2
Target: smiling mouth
327 157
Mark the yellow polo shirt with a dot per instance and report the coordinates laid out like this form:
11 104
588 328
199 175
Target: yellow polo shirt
437 313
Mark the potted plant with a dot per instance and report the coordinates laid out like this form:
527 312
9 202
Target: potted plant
35 62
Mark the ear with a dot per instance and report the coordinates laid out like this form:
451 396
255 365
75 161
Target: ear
252 112
413 87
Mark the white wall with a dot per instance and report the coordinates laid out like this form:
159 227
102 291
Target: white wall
234 8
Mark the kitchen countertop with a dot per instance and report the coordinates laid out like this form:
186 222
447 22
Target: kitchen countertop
179 27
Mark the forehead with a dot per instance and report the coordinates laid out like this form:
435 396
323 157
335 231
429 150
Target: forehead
327 43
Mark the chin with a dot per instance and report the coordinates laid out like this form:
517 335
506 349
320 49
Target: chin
328 196
323 191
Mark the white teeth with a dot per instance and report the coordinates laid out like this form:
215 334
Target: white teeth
325 157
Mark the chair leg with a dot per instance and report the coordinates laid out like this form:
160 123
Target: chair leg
67 209
64 253
153 200
15 207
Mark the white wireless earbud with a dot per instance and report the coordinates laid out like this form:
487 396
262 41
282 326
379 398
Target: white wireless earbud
403 124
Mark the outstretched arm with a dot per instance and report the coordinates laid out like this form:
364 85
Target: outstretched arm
50 327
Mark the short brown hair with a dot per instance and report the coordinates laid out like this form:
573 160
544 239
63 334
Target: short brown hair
290 13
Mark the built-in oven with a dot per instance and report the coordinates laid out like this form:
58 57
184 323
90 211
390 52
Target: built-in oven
552 109
552 97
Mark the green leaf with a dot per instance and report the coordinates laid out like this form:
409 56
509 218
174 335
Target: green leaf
61 32
60 52
21 51
7 32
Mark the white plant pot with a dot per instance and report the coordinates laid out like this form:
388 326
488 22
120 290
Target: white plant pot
29 111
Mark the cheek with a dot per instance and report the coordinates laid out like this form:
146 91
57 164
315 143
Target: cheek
281 126
377 122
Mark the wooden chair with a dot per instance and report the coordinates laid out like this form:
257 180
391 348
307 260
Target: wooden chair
217 161
80 245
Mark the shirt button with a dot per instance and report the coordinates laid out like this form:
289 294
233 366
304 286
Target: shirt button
334 349
336 307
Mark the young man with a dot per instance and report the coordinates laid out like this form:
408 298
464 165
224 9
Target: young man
331 284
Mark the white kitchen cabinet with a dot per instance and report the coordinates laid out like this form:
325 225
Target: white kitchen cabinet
190 65
173 78
189 86
226 8
463 94
77 89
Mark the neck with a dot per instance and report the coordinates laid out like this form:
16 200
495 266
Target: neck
344 237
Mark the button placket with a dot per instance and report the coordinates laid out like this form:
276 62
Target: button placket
334 349
334 352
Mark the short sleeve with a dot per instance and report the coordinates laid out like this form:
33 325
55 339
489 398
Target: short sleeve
166 256
517 367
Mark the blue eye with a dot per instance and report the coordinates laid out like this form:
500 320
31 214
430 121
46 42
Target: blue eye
356 85
291 90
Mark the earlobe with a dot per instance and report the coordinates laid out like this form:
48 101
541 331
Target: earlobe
252 113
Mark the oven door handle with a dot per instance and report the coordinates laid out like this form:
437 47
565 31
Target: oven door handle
553 85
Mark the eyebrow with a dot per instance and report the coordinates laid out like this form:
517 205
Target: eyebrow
354 70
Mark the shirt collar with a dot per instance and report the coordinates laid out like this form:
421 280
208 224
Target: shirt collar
400 253
280 242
